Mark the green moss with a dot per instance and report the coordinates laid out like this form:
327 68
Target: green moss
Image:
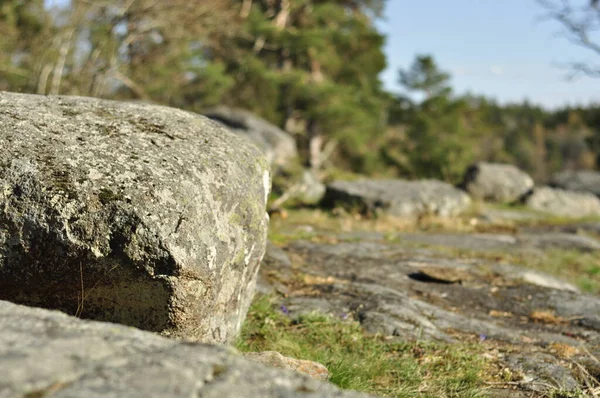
70 112
107 196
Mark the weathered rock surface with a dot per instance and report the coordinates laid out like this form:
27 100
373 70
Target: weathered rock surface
592 227
278 146
398 197
582 180
496 182
407 291
505 242
276 360
543 372
131 213
564 203
47 353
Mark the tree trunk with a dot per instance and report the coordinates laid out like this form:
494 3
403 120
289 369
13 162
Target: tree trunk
59 68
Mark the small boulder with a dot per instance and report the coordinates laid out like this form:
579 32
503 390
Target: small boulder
496 182
582 181
131 213
311 189
398 197
563 203
278 146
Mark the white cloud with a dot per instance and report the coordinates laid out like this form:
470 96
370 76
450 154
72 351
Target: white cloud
496 70
460 71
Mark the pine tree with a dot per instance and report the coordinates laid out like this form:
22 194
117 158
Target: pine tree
438 132
312 67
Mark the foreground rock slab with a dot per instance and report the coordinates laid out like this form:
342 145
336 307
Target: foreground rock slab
137 214
398 197
47 353
496 182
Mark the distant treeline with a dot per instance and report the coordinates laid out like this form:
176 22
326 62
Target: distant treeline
310 66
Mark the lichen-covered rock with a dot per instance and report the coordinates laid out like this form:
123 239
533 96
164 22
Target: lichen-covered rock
398 197
496 182
47 353
581 180
563 203
278 146
138 214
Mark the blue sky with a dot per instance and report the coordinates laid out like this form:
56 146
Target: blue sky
499 48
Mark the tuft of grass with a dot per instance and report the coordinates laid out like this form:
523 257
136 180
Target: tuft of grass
363 362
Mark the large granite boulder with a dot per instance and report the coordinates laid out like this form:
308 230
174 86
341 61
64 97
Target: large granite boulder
582 180
47 353
564 203
398 197
496 182
137 214
278 146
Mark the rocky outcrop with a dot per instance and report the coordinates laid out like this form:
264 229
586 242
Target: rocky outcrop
406 291
137 214
398 197
277 145
563 203
47 353
496 182
582 181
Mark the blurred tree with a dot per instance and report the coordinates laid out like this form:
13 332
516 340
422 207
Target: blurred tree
439 132
25 32
142 49
313 67
424 75
580 23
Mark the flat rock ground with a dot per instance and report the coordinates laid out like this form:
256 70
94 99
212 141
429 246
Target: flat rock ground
524 288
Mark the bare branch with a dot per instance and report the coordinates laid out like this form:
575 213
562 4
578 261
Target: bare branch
581 25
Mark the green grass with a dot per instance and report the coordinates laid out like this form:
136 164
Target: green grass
362 362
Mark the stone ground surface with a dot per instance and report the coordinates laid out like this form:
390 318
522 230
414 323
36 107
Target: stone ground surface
411 286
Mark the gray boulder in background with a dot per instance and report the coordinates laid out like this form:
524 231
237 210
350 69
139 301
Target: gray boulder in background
582 180
47 353
496 182
137 214
311 189
277 145
563 203
398 197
